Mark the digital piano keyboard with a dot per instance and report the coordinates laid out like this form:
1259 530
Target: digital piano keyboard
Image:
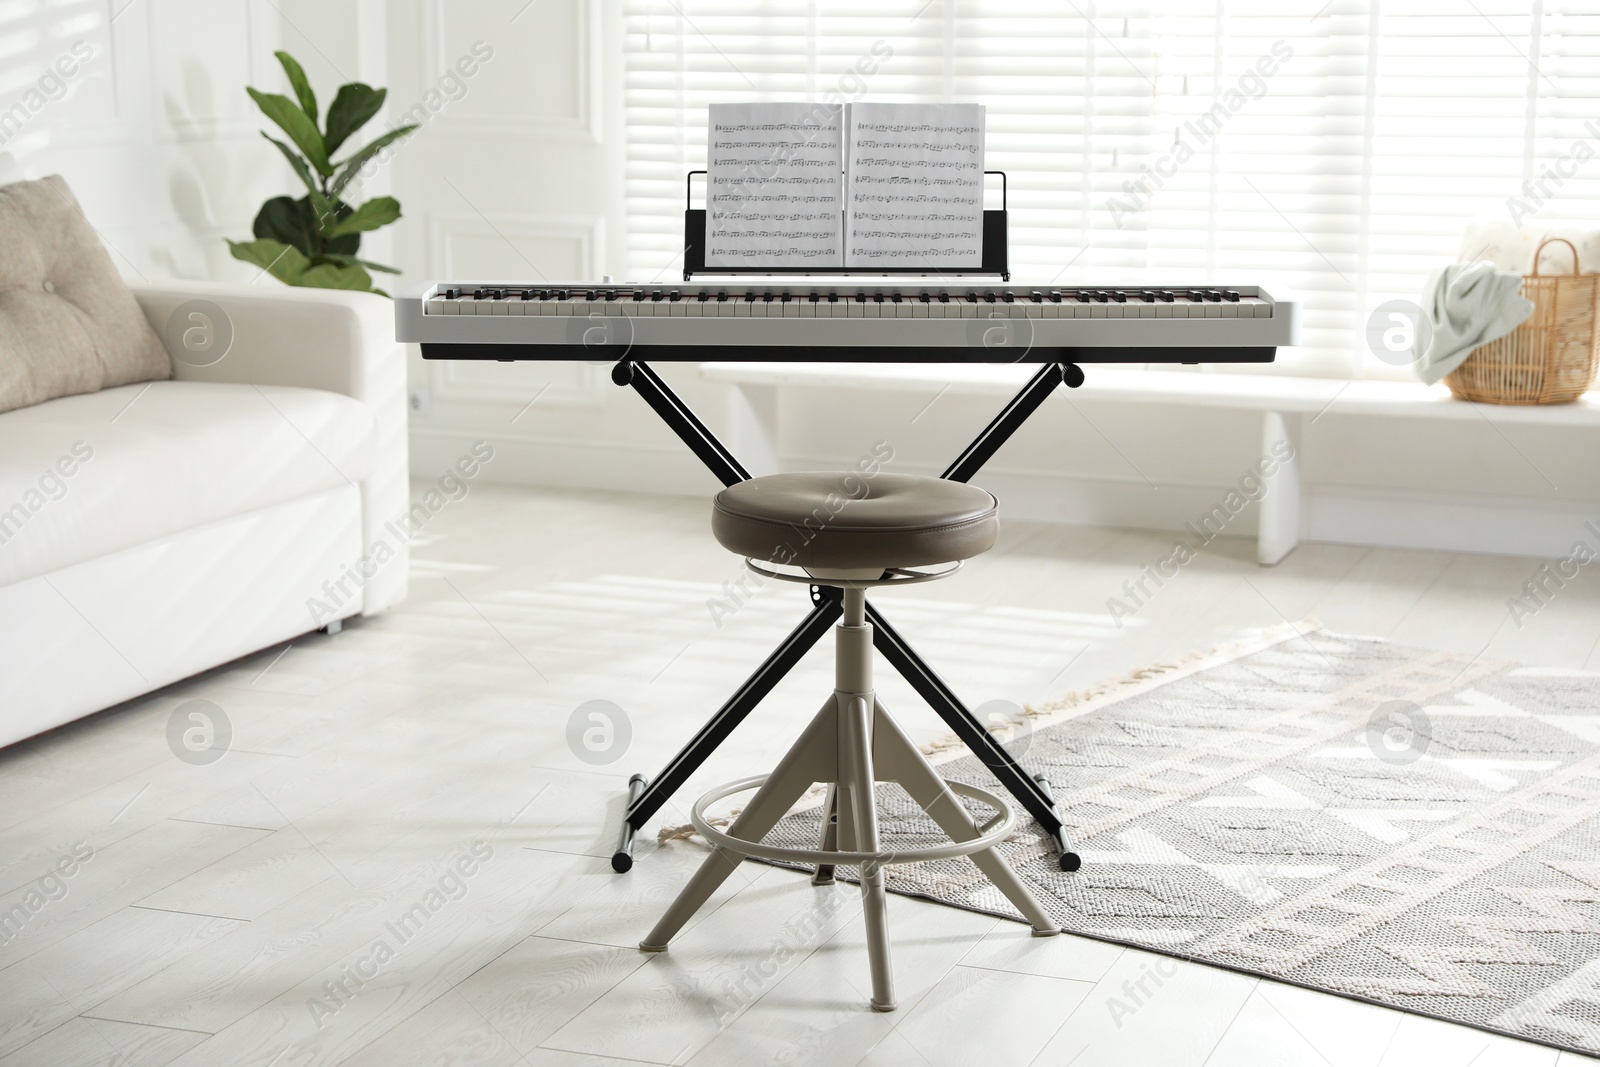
899 322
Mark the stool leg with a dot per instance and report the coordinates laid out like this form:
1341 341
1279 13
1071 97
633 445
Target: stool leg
829 841
900 761
811 759
856 780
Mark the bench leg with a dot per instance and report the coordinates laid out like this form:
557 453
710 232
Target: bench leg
1279 531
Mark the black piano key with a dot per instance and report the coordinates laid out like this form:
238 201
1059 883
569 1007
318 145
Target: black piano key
1055 296
1036 296
527 294
815 297
452 294
833 298
638 294
925 298
703 296
722 294
1230 295
674 295
895 297
783 298
1121 298
750 296
944 298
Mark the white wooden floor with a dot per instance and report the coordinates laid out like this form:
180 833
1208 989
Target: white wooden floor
246 912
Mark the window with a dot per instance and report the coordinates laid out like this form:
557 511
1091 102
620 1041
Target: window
1333 151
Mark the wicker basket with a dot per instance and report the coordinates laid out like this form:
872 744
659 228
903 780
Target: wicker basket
1552 356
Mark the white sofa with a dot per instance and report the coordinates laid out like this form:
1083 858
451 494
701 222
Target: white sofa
150 532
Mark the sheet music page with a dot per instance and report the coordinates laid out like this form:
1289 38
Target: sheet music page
775 186
914 179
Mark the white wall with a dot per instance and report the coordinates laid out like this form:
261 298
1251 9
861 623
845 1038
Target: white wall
517 174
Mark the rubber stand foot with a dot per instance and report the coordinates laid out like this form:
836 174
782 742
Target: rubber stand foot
651 948
1071 861
622 863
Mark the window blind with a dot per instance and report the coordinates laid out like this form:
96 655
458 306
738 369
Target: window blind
1333 151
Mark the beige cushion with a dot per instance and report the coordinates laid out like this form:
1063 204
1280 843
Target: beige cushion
67 322
825 520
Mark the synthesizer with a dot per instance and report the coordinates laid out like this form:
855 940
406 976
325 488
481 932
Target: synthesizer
866 322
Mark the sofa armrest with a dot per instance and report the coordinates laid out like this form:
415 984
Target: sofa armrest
341 342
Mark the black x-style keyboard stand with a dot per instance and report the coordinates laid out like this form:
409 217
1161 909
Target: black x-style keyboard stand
645 796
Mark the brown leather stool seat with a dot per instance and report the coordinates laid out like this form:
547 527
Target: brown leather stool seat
846 521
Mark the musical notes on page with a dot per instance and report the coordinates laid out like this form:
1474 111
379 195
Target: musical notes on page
775 186
914 185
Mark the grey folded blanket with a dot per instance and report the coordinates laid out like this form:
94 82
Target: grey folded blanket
1467 304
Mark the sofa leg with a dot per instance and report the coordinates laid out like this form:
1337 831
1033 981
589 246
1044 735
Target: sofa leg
333 627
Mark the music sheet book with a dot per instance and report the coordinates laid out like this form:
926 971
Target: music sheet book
863 185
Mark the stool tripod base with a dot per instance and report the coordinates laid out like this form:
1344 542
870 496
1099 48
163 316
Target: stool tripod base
852 743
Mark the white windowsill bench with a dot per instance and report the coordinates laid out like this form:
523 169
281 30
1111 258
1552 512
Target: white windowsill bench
1283 402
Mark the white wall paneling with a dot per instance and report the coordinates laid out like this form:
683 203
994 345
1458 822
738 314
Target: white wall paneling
550 91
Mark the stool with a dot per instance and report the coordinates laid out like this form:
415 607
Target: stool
853 532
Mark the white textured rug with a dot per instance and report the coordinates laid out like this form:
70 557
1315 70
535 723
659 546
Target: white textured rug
1408 827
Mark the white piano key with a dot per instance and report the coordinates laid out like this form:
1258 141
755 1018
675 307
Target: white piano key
439 306
791 309
695 309
808 310
1114 311
678 309
724 309
1230 310
1144 311
1098 311
919 310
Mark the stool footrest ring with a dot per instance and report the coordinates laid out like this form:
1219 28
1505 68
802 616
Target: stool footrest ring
990 834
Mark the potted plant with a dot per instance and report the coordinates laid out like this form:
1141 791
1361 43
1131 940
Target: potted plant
313 241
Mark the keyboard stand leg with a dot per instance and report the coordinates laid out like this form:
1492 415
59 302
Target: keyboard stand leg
1032 793
646 797
825 611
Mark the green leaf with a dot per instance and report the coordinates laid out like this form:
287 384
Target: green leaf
301 167
348 168
285 263
301 130
379 211
367 263
302 88
282 261
335 276
287 222
350 110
